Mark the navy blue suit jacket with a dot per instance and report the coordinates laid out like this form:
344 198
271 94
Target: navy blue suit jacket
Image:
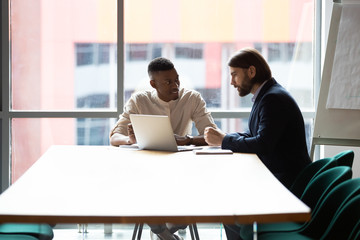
276 133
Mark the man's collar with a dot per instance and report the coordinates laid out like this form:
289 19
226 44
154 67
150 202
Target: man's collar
257 91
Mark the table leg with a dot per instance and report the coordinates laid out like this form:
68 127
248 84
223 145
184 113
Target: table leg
255 230
137 231
107 228
194 232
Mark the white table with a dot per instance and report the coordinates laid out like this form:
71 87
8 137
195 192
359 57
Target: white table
103 184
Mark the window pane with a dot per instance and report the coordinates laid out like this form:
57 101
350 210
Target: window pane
63 53
200 40
229 125
31 137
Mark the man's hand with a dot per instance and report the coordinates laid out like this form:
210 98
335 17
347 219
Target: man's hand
132 138
213 136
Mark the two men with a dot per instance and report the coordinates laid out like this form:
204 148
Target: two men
276 127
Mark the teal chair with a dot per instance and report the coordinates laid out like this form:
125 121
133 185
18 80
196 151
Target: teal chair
336 199
356 237
341 226
308 173
344 158
16 237
39 231
313 196
355 234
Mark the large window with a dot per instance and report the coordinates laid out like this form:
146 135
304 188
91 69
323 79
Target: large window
63 76
70 76
200 40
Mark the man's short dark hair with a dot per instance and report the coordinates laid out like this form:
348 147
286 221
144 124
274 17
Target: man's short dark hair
159 64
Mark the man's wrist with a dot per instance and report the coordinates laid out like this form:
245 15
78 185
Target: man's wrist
190 139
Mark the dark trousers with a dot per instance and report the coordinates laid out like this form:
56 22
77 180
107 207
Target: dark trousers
159 228
232 232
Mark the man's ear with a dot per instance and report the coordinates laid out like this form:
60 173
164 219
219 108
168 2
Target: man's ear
152 83
252 71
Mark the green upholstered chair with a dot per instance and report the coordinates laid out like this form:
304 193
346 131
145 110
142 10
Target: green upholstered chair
355 234
313 196
319 187
16 237
344 158
341 226
356 237
39 231
308 173
336 199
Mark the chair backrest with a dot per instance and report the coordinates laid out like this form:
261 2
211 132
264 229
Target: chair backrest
40 231
17 237
303 179
356 237
328 208
345 221
344 158
323 184
355 234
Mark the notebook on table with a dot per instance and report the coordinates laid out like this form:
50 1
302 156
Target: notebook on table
154 132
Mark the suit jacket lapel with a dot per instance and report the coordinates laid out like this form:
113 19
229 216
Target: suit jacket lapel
254 110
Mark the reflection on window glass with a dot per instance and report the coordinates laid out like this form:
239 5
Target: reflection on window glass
55 60
280 52
156 50
104 53
201 40
189 51
229 125
274 52
137 52
93 101
143 52
31 137
93 131
84 54
94 53
309 127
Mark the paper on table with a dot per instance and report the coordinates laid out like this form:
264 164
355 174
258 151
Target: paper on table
212 150
344 91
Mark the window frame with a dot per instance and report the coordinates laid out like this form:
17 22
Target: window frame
7 114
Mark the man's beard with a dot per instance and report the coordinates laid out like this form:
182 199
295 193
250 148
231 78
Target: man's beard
243 91
246 87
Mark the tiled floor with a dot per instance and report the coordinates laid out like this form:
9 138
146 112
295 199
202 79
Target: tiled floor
125 231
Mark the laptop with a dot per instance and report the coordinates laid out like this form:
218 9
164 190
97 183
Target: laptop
154 132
